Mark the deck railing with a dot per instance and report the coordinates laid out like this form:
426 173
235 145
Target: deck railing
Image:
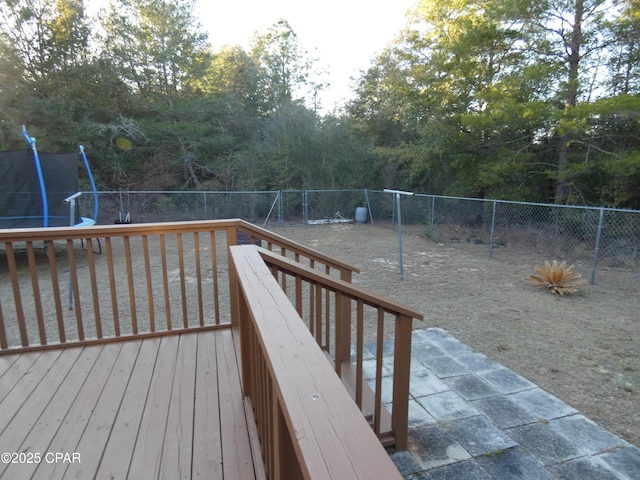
307 425
355 329
74 286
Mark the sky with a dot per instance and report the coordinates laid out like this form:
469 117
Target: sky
347 34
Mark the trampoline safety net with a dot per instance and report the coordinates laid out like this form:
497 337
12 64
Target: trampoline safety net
21 203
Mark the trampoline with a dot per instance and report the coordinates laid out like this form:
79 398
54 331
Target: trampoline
41 189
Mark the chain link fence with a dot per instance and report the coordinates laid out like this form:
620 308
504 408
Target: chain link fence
606 237
163 206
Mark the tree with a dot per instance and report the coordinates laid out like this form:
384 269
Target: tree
231 71
51 75
161 53
624 56
155 44
457 66
49 36
284 64
567 32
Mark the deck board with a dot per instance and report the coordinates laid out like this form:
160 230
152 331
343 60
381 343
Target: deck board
52 416
5 364
234 430
162 407
178 441
127 423
31 373
24 419
147 454
95 436
207 453
68 434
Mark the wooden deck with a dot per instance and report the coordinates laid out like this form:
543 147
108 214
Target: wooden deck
163 407
148 384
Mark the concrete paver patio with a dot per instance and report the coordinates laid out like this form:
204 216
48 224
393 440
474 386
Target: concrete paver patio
471 418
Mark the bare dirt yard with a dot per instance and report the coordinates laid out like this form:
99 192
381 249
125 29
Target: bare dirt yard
583 348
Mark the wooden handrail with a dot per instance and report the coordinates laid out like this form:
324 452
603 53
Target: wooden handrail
308 426
105 231
285 265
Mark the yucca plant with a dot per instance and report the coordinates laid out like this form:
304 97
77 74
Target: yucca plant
558 279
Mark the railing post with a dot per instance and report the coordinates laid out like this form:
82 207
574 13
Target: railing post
244 334
247 344
345 353
401 369
13 274
286 465
232 239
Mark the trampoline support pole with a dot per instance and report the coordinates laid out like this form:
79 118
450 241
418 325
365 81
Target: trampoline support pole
72 217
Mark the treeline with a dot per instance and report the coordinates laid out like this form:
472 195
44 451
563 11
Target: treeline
532 100
140 87
514 99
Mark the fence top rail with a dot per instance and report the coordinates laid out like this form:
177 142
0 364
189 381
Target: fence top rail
279 240
184 192
333 283
364 190
330 436
328 190
533 204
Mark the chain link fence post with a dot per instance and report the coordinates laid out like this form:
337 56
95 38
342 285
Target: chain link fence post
432 217
493 228
366 199
596 250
